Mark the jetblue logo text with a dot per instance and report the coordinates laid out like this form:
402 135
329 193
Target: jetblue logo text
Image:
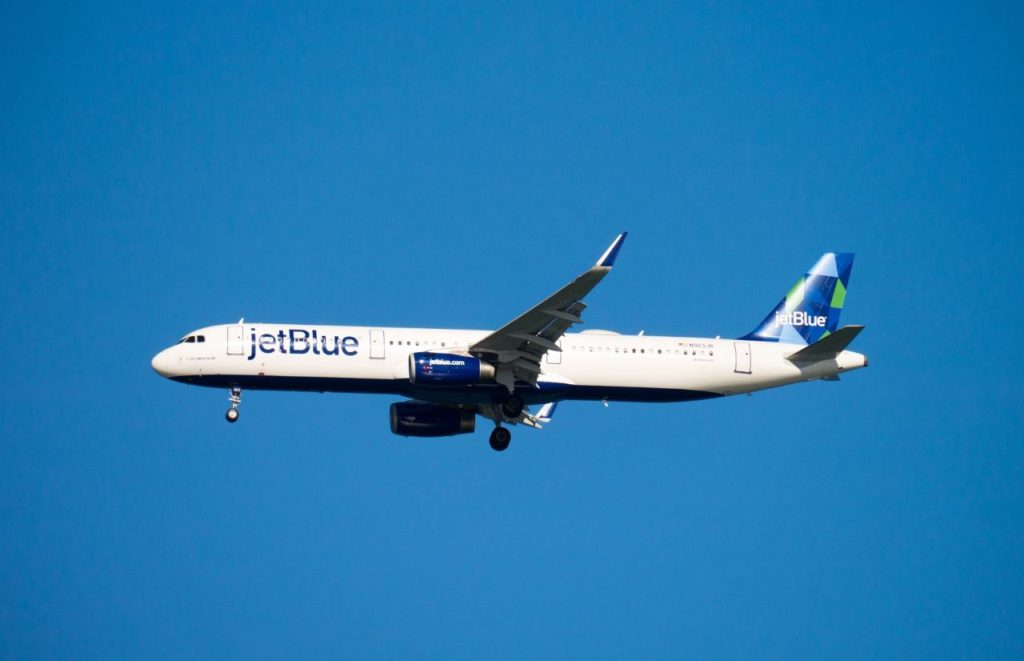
299 341
799 318
442 361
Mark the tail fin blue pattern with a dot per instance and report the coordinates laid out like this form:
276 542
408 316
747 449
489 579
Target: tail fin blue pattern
810 311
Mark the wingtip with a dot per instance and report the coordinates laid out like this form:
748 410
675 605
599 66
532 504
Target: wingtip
546 412
608 258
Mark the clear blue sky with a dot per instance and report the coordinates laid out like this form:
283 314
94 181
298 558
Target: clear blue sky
168 167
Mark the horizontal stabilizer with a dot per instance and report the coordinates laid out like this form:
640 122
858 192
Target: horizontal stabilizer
828 347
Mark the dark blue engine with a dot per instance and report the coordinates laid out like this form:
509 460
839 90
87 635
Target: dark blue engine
426 419
447 369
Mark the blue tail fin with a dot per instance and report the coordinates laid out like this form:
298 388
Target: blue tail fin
810 310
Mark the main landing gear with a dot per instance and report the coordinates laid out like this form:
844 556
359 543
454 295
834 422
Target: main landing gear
500 438
512 407
236 399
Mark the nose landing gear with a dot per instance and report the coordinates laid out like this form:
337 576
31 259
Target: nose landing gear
500 439
236 399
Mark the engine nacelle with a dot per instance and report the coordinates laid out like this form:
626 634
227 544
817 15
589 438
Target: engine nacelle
448 369
426 419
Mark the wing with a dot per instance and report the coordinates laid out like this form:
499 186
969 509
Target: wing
517 347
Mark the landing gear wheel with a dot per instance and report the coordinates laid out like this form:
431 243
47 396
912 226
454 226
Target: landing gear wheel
236 399
500 438
512 407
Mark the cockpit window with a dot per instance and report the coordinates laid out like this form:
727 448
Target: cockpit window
200 338
190 339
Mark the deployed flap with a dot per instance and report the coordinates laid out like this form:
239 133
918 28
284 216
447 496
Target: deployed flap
517 347
828 347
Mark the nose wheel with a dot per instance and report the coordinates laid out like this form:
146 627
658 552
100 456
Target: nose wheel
236 399
500 438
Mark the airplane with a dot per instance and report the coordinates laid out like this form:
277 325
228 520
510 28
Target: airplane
451 377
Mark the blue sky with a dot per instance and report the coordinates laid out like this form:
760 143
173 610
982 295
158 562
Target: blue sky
168 167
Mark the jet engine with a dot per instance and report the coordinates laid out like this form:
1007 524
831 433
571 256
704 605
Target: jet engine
448 369
426 419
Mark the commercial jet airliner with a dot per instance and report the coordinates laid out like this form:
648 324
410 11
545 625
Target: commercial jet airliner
452 376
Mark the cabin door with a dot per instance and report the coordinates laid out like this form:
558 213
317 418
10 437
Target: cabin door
376 343
235 342
742 357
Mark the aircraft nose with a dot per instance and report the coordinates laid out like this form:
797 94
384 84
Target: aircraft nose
162 363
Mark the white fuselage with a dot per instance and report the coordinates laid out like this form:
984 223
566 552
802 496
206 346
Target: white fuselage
591 365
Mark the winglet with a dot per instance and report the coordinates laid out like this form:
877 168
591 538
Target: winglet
541 418
608 258
546 412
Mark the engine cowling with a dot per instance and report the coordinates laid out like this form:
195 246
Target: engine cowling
426 419
448 369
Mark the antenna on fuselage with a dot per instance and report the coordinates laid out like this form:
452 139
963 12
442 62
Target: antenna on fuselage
242 320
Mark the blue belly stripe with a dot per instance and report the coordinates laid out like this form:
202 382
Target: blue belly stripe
547 392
